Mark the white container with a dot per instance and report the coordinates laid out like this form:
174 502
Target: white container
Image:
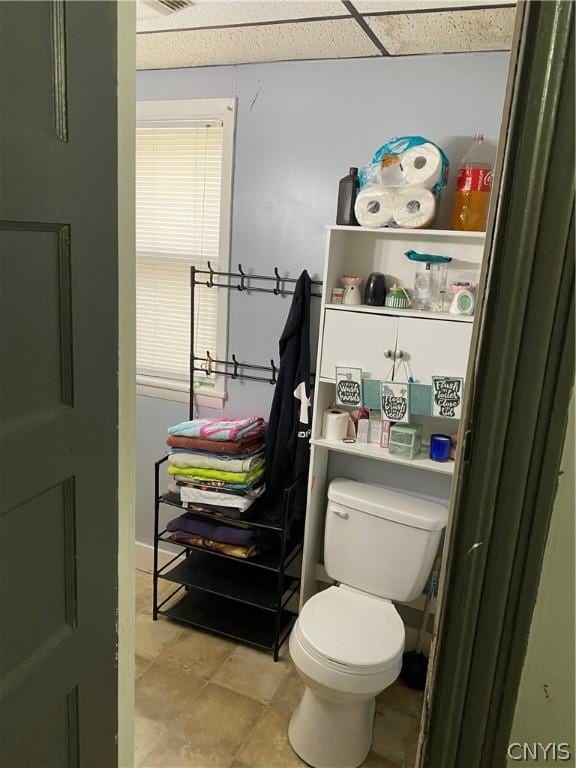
380 540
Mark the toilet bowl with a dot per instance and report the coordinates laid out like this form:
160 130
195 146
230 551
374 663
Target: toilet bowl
347 647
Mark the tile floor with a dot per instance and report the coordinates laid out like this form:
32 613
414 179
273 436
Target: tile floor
206 702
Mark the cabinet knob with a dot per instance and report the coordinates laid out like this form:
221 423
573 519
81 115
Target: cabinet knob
400 354
388 353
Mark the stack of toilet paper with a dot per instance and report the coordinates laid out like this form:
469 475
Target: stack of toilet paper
405 200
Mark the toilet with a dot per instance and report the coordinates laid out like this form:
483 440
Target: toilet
348 640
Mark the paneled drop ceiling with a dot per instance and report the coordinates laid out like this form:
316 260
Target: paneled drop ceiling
198 33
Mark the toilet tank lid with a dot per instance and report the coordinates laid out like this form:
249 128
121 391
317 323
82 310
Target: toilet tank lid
397 506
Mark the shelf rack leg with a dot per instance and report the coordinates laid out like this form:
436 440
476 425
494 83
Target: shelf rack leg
280 592
156 519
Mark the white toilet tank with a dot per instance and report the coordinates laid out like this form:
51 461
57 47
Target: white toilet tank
380 540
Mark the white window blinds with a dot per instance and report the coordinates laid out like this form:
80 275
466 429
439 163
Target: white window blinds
178 198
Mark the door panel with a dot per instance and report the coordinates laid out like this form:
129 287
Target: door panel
365 337
434 347
58 384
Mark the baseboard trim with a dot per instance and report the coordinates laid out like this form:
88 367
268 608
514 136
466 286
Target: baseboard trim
144 557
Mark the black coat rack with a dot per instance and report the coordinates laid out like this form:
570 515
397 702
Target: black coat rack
244 282
246 600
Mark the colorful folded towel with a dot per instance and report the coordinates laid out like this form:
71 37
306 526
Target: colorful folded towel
219 429
238 489
234 550
227 463
198 526
245 445
198 475
196 496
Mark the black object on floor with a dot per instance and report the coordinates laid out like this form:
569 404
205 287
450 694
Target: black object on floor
414 670
414 663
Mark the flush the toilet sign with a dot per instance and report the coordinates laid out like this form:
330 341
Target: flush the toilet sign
447 394
395 404
349 387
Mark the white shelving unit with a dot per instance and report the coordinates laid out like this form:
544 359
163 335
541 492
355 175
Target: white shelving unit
359 336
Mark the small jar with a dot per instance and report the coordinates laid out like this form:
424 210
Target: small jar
440 446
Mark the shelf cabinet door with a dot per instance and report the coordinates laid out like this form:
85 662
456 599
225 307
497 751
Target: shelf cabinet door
357 340
434 347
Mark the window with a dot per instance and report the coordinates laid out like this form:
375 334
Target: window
183 207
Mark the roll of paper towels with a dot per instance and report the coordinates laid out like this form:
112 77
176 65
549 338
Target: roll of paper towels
422 166
335 424
414 207
374 206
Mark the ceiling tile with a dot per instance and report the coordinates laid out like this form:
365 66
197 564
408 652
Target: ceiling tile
242 45
448 32
210 13
395 6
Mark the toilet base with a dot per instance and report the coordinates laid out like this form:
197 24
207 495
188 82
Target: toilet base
332 733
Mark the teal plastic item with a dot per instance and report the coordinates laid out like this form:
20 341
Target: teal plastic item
420 399
427 258
399 145
371 394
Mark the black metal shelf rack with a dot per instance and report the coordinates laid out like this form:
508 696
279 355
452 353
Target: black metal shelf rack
243 599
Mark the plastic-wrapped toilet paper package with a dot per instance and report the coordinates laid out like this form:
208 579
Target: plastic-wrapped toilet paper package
335 424
422 166
414 208
374 206
404 163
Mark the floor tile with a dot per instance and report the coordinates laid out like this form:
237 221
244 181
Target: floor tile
394 732
377 761
401 698
144 591
252 673
153 636
146 734
288 694
140 665
219 720
175 752
197 652
268 745
410 757
163 693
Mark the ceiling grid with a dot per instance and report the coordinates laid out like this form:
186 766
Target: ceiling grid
227 32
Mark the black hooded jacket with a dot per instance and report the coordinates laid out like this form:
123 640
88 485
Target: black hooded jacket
288 433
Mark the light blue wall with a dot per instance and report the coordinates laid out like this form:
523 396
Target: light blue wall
300 125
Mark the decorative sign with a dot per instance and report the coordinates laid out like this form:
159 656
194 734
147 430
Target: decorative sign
395 401
447 394
349 386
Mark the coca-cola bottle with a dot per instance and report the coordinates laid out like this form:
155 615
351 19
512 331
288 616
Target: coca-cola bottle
473 185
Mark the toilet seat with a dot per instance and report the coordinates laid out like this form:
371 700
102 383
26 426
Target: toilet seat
351 632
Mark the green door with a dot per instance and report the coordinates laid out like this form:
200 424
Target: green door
58 384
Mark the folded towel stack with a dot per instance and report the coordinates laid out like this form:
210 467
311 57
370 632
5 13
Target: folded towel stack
217 468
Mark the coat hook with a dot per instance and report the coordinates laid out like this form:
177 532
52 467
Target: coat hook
273 380
210 283
278 279
242 286
235 371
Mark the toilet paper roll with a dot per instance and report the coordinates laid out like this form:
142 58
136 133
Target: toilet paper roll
374 206
414 207
335 424
422 166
